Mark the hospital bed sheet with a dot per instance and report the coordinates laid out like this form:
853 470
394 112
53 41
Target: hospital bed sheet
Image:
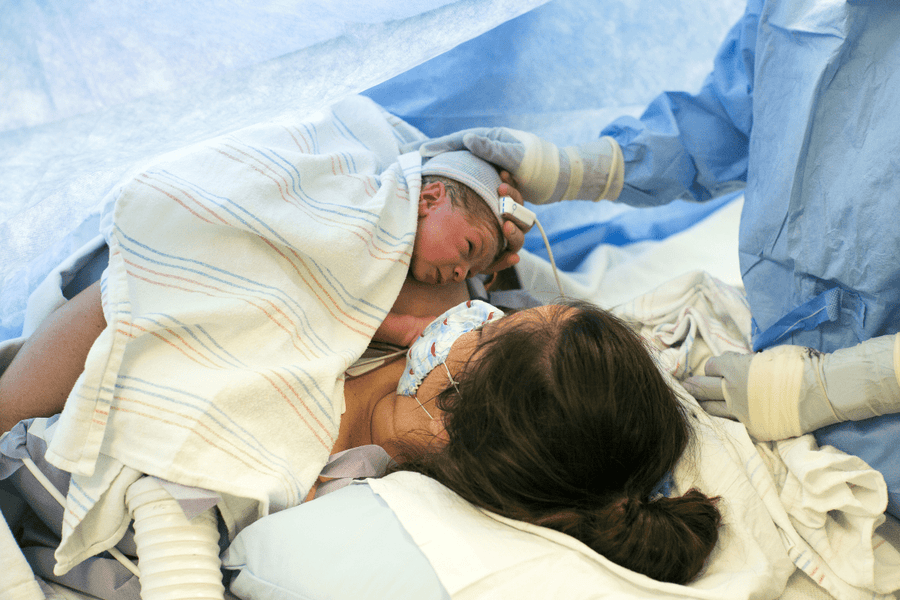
19 581
611 274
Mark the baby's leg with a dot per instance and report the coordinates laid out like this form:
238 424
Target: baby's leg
42 374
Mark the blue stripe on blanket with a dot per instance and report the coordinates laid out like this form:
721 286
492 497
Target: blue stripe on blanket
219 418
258 288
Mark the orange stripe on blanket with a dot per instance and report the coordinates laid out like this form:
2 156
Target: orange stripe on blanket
180 426
294 392
333 170
175 346
371 329
277 389
225 294
262 466
300 416
255 168
365 181
344 168
308 149
212 363
186 193
389 255
186 207
371 189
310 211
365 234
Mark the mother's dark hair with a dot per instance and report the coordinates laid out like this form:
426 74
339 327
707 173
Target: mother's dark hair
566 422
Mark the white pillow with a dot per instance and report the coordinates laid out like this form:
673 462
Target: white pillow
347 544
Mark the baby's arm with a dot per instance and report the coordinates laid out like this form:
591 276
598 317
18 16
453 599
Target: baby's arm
401 330
42 374
418 305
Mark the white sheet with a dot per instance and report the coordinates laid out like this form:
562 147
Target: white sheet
612 275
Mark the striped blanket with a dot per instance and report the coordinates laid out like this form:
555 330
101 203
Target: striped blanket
246 274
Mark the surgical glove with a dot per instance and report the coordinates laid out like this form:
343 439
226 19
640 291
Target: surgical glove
787 391
723 386
543 172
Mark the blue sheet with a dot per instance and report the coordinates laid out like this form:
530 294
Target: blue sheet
92 89
564 70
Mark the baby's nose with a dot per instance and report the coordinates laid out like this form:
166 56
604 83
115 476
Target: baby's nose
460 272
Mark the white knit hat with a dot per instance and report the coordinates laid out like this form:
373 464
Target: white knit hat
468 169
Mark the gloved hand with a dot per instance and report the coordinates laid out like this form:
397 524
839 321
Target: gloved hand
729 372
543 172
787 391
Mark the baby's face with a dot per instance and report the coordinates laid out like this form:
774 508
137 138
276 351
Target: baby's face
448 247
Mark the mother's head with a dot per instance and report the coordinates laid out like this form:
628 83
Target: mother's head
561 418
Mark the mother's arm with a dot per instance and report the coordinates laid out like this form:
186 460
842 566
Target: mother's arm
42 374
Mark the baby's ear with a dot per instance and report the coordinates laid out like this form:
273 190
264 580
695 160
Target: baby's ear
432 196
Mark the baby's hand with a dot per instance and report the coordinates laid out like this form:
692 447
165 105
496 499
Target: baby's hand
401 330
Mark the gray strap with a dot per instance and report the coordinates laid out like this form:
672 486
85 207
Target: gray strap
355 463
371 360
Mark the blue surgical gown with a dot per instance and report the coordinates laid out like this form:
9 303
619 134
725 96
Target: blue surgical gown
803 109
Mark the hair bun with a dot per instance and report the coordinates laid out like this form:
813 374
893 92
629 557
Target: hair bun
667 539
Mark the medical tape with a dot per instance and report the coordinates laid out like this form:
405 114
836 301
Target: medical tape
615 181
539 170
773 392
576 172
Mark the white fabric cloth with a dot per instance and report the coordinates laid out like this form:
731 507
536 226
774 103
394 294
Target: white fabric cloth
246 274
611 275
825 503
832 499
689 319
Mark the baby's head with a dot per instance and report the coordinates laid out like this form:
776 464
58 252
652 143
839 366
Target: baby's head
459 231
